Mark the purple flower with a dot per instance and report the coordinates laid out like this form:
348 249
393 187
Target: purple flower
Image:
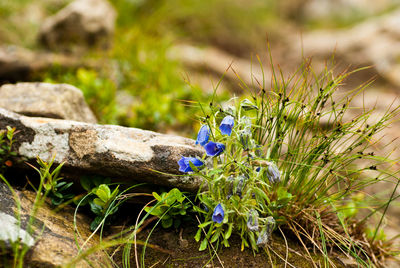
184 165
218 215
214 148
203 135
227 125
273 174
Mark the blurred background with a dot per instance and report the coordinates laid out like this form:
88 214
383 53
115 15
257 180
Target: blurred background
140 62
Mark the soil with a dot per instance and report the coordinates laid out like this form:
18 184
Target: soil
184 252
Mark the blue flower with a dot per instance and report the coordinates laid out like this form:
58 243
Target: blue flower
273 174
184 165
245 138
218 215
203 135
227 125
214 148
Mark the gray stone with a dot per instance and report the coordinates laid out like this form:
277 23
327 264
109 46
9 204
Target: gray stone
124 154
52 236
59 101
81 23
21 64
11 232
374 42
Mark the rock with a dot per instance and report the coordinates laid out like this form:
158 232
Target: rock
124 154
52 242
344 9
218 62
81 23
61 101
374 42
20 64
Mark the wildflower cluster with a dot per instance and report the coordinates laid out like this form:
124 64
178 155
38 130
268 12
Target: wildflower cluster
240 178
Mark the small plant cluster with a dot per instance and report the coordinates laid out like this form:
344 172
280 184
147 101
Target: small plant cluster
239 180
6 142
58 190
100 198
172 208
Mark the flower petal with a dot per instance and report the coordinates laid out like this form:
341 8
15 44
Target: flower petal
226 125
214 148
184 163
203 135
218 214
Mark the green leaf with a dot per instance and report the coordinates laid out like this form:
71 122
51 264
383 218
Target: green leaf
205 224
56 201
253 242
228 232
96 209
261 194
86 183
216 235
166 223
156 196
96 222
175 193
99 202
47 186
57 194
114 193
194 168
203 244
66 186
283 194
177 222
103 192
58 185
226 243
10 132
182 212
198 235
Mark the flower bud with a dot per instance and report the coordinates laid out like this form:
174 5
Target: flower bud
273 174
247 105
265 234
252 221
218 214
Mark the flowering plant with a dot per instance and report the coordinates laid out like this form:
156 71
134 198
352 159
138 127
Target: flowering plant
239 178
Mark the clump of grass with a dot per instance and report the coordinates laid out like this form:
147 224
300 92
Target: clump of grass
294 158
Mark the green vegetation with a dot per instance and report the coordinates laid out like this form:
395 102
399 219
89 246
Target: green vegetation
172 208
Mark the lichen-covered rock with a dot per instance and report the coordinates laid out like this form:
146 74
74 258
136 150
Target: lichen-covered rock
124 154
52 242
82 23
60 101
